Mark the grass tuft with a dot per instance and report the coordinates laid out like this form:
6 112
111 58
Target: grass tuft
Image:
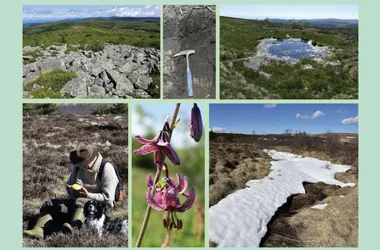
50 84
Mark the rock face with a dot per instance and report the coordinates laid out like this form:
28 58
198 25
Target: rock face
119 71
189 27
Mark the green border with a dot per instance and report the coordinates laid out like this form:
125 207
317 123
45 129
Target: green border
11 126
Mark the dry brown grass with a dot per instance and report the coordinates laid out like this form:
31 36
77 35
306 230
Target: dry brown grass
47 142
232 166
334 226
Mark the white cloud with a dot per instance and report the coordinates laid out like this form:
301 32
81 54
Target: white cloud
314 116
92 11
219 130
351 121
37 12
269 106
146 11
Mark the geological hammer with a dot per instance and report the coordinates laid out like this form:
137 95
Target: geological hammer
187 53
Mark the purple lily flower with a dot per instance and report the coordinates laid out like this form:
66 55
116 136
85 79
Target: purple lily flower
195 123
161 147
166 199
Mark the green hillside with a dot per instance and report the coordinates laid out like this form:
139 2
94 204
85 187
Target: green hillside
139 32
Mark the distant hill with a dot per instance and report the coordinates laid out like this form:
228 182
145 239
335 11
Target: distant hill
329 22
27 23
77 109
144 23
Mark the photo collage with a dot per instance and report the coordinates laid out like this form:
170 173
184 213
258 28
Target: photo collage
194 126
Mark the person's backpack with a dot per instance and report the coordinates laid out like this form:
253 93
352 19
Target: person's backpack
119 194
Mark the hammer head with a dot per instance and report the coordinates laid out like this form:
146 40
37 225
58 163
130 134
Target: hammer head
185 53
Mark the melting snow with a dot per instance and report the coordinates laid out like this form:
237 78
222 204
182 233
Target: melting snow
320 206
351 137
240 219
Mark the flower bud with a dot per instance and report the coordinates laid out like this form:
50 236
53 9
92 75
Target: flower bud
195 123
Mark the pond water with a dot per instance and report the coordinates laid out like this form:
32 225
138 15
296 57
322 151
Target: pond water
294 49
290 50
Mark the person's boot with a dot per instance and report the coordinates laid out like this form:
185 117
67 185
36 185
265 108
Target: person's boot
38 230
76 221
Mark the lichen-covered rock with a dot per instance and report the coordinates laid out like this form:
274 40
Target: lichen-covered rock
96 91
119 69
143 82
77 87
50 64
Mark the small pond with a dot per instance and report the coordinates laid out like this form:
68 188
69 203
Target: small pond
294 49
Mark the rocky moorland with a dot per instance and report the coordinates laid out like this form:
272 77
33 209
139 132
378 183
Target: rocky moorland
110 71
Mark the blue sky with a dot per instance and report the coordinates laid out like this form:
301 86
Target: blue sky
290 11
59 12
153 117
271 118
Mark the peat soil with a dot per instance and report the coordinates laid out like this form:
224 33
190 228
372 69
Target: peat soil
189 28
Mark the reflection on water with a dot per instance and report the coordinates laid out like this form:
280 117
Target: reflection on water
293 48
290 50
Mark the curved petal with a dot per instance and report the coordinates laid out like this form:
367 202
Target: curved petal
146 149
159 158
149 181
188 202
170 197
171 154
152 202
146 141
158 198
182 183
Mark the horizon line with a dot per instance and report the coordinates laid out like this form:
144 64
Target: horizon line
247 18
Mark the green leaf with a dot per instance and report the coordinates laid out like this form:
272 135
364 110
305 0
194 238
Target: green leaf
161 184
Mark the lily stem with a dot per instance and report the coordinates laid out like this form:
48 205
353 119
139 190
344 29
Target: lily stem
156 178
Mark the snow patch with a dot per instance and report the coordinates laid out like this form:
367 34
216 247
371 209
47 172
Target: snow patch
320 206
240 219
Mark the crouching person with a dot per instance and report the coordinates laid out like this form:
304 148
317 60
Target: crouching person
97 181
